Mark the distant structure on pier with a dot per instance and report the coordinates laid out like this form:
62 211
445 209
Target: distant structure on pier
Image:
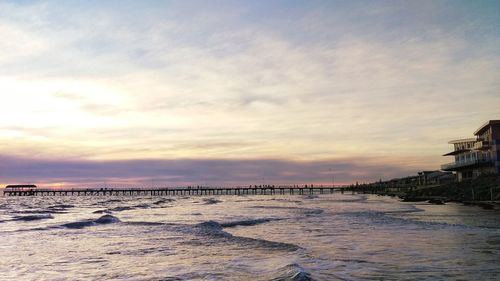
20 187
478 155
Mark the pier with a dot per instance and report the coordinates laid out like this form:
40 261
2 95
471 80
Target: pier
180 191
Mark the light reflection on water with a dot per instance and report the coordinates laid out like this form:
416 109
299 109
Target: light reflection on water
329 237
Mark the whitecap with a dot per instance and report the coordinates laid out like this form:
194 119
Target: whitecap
291 272
106 219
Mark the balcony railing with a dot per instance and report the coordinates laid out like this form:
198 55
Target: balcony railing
454 165
481 145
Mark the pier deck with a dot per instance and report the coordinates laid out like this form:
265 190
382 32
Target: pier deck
175 191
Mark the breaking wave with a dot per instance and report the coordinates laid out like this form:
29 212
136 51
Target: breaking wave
291 272
106 219
214 230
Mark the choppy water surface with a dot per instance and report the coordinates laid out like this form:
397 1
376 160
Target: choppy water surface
326 237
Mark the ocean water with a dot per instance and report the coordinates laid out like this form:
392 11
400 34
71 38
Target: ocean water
323 237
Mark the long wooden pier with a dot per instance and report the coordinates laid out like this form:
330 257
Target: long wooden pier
182 191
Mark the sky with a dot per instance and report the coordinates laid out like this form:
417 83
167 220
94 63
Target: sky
170 93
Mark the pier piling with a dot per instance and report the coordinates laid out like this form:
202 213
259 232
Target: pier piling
178 191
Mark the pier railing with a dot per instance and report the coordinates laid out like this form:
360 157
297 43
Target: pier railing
259 190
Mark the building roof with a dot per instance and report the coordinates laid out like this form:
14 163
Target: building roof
428 172
456 152
438 174
485 126
462 140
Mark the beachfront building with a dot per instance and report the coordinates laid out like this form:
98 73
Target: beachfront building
478 155
432 178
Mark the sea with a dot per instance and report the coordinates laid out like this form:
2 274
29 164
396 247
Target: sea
262 237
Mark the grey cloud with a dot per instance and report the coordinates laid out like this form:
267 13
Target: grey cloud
193 171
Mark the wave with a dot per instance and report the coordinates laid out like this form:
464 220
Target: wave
145 223
102 212
210 231
276 207
385 218
404 209
358 198
79 224
107 201
163 201
291 272
211 228
42 211
246 199
211 201
123 208
214 230
305 211
61 206
32 217
106 219
142 206
408 209
311 212
103 220
54 209
247 222
120 208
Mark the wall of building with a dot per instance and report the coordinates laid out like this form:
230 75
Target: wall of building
496 153
465 174
495 145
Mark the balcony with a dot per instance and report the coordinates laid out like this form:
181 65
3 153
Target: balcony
469 162
481 145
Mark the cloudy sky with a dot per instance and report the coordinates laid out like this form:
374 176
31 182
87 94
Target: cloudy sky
230 92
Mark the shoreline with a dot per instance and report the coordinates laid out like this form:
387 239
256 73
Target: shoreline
483 192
